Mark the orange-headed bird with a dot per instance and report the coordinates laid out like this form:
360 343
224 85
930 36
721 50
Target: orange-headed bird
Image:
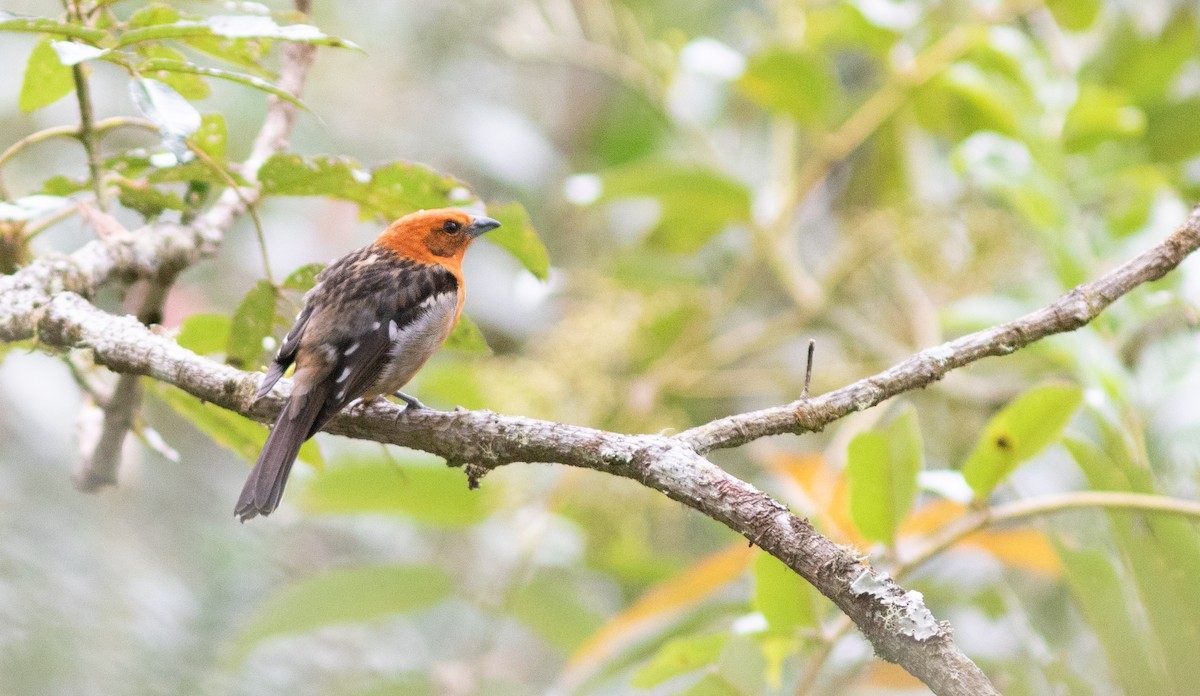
368 325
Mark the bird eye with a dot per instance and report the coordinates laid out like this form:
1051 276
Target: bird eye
452 226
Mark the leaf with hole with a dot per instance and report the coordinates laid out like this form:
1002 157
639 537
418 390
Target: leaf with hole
1018 432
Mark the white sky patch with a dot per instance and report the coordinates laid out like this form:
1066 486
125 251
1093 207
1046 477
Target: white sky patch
947 483
164 160
505 143
71 53
897 15
711 58
583 189
30 207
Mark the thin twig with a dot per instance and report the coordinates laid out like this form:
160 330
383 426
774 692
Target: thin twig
1071 311
812 348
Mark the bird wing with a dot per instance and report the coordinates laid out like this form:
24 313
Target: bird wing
371 319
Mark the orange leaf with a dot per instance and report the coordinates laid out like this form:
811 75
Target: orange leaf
886 675
931 517
818 492
1027 549
658 606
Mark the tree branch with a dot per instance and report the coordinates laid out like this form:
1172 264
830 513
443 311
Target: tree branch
1069 312
896 622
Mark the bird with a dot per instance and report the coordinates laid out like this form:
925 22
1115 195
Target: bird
369 323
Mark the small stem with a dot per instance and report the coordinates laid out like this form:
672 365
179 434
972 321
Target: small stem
87 133
73 132
1051 504
249 205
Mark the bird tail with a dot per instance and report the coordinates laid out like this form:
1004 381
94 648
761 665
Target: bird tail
264 487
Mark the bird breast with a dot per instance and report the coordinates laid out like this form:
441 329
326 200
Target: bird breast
413 343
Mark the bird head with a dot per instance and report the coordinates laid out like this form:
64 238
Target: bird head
435 236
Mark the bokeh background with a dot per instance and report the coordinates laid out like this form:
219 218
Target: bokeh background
715 184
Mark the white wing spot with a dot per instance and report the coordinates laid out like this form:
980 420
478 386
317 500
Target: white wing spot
341 394
393 330
353 347
375 326
345 373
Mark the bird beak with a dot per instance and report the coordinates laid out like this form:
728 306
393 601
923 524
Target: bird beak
481 225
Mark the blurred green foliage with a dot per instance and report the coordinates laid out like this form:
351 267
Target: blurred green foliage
689 192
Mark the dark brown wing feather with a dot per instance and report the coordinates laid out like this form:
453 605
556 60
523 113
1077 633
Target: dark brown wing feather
350 309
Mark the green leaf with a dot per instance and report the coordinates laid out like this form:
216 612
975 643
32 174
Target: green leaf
695 203
467 337
212 137
799 84
1018 432
226 428
400 188
965 99
881 470
41 25
1075 15
153 14
251 324
1100 115
232 27
551 605
161 63
433 495
1104 602
1145 64
713 685
391 191
205 334
1129 197
1171 130
341 596
46 79
147 200
60 185
680 656
517 236
783 598
180 69
303 278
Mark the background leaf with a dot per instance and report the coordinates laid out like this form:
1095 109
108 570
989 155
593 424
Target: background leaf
342 596
46 79
252 322
517 236
881 470
433 495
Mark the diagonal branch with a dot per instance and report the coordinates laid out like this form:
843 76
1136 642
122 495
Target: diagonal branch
1069 312
897 622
